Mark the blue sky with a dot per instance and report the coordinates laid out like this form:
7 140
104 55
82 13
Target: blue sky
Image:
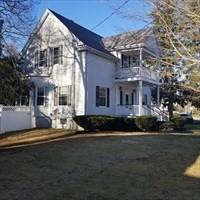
89 13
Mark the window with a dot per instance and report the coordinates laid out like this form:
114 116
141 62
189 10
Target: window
41 96
144 99
36 59
64 95
23 100
129 61
133 97
127 99
125 60
121 96
102 96
43 58
57 55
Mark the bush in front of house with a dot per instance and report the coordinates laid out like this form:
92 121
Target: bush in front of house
167 126
146 123
178 121
105 123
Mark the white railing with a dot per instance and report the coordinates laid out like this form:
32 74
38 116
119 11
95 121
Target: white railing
127 110
137 72
15 118
133 110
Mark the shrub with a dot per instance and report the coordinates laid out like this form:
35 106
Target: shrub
178 121
168 125
105 123
146 123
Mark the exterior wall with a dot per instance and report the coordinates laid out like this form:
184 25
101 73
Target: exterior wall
100 72
15 118
81 69
53 33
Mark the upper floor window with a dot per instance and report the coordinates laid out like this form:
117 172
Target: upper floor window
129 61
43 58
102 96
48 57
57 55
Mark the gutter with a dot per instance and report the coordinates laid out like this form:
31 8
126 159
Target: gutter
97 52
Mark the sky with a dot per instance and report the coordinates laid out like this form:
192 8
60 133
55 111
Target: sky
89 13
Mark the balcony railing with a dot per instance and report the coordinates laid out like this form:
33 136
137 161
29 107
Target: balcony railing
136 73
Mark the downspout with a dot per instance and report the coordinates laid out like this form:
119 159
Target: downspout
73 79
86 84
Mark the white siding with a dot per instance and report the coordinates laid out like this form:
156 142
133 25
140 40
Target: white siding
100 72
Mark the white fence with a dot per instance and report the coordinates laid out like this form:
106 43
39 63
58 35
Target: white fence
15 118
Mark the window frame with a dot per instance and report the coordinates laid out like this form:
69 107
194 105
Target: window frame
67 95
42 61
102 96
43 96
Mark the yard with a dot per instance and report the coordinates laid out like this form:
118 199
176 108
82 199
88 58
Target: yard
145 167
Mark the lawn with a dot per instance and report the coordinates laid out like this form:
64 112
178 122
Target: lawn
148 167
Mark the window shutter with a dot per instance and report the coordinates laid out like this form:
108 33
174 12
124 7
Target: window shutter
132 98
45 57
36 59
108 97
61 54
34 95
46 92
121 97
56 96
97 96
48 57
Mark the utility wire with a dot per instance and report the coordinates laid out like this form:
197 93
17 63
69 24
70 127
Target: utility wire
106 18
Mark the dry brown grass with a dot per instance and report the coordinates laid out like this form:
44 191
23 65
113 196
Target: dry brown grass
34 136
148 167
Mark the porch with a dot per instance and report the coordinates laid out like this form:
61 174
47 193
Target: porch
132 110
137 73
138 64
134 98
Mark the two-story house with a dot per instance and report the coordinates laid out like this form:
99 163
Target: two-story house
77 72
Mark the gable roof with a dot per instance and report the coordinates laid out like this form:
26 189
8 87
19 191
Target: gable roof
86 36
127 40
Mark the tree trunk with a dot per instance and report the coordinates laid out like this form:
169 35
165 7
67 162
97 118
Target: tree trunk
170 105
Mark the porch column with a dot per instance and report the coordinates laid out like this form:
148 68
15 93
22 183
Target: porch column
158 96
140 97
140 62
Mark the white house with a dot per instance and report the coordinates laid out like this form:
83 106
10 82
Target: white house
77 72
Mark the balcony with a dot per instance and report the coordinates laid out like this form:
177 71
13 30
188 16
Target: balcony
137 73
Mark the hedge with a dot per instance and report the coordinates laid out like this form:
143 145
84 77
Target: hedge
109 123
178 121
105 123
146 123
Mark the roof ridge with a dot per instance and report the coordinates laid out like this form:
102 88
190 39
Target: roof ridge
128 32
57 14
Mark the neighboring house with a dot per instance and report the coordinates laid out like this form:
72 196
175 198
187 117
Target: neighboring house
77 72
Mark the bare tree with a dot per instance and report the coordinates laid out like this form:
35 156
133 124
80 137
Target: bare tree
16 20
